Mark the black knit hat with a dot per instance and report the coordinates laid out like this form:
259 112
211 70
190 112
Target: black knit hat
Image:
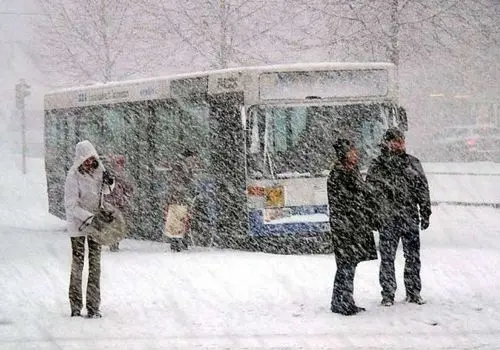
342 146
393 134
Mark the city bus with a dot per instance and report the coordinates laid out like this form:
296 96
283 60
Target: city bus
263 137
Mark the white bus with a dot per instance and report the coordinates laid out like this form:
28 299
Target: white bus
264 136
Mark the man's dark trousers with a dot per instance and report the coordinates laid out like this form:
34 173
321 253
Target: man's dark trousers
408 231
343 285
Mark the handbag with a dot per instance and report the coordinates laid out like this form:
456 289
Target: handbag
109 223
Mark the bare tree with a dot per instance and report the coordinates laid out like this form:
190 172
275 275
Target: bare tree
217 33
405 30
461 36
97 40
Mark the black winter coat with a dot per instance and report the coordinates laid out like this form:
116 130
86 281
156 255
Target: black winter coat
350 215
181 183
400 186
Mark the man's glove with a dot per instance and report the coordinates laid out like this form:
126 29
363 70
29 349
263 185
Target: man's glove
424 223
101 218
105 216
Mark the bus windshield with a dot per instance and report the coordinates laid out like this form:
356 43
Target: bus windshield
290 141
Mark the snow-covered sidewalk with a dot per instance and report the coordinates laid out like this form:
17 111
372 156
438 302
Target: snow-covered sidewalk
152 298
210 299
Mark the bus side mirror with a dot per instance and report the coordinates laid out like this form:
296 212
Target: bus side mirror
402 119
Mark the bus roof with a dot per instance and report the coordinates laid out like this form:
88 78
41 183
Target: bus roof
139 87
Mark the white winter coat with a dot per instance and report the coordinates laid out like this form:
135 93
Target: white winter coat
82 191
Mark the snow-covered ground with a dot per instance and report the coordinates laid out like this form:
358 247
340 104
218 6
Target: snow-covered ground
210 299
477 182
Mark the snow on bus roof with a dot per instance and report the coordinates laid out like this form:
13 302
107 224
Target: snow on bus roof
262 68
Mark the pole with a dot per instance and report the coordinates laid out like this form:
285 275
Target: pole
23 136
394 40
22 90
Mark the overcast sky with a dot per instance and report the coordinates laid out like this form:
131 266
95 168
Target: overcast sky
16 39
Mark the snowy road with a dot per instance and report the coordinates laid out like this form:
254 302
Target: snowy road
207 299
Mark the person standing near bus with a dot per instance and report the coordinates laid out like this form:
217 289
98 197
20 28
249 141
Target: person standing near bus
350 222
181 194
86 182
400 186
121 196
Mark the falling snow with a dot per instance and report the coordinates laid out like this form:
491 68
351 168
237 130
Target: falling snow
227 113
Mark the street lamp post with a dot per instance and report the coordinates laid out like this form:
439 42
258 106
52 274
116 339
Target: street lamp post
22 91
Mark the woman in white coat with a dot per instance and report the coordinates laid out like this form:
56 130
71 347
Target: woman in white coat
86 181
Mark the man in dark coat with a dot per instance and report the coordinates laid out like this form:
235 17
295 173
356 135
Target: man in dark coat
181 191
350 222
400 186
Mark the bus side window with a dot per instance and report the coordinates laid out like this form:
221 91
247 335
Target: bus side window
167 133
71 135
88 126
113 128
194 114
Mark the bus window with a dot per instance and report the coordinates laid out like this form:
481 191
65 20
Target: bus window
300 139
71 136
255 144
281 125
289 124
181 125
88 126
194 120
369 130
167 133
104 126
113 126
